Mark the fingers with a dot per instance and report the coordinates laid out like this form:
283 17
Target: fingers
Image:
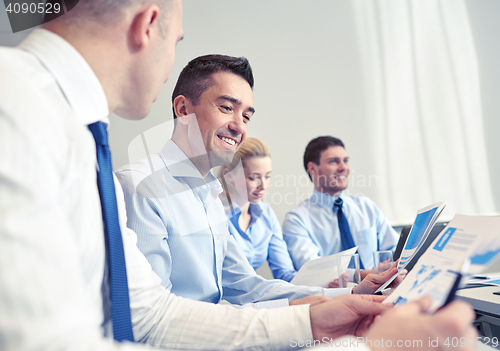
374 298
396 281
383 277
415 307
457 310
334 284
411 321
399 279
365 306
383 266
455 321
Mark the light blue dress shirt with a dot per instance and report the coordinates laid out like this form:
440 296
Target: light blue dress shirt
312 231
182 230
262 240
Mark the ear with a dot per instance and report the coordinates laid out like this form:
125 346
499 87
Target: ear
145 26
311 168
182 107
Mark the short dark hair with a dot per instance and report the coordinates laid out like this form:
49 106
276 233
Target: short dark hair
316 147
195 78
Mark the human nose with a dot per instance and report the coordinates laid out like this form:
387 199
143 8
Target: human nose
262 184
238 125
342 166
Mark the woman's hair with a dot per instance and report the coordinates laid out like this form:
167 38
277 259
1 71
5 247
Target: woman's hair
249 148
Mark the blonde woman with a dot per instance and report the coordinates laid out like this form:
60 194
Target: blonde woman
252 222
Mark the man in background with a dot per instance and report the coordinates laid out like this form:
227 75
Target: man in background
331 221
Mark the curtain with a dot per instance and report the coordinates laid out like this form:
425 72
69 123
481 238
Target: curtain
423 106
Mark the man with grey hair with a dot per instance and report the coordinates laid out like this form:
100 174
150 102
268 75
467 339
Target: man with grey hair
70 273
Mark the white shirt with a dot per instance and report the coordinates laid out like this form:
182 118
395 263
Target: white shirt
52 253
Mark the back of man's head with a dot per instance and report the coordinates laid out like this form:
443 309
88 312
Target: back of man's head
195 78
316 147
109 12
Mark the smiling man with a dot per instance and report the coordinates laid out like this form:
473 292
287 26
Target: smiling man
172 197
315 229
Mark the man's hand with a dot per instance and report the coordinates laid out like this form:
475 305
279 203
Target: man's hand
312 300
382 267
373 281
398 279
335 283
365 272
346 315
409 322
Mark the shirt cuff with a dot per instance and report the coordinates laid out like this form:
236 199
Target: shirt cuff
289 327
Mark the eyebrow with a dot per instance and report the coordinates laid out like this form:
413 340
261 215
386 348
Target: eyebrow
337 158
234 101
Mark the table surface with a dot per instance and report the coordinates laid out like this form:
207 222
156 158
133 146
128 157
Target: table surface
482 298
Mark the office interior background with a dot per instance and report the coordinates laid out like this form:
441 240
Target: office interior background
411 87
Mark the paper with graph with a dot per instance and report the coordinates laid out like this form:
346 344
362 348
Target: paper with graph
422 226
425 220
473 239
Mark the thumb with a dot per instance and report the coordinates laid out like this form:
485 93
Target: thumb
416 307
457 310
366 307
384 276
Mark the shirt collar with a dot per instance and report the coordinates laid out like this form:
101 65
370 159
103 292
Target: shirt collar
76 79
324 200
179 165
255 210
233 210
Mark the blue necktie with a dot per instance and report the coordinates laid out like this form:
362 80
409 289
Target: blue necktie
120 305
345 232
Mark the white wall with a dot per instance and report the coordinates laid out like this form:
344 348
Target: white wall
308 81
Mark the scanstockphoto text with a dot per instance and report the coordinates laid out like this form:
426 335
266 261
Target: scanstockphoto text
451 342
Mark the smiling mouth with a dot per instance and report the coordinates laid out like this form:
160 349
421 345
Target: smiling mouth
230 141
341 178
